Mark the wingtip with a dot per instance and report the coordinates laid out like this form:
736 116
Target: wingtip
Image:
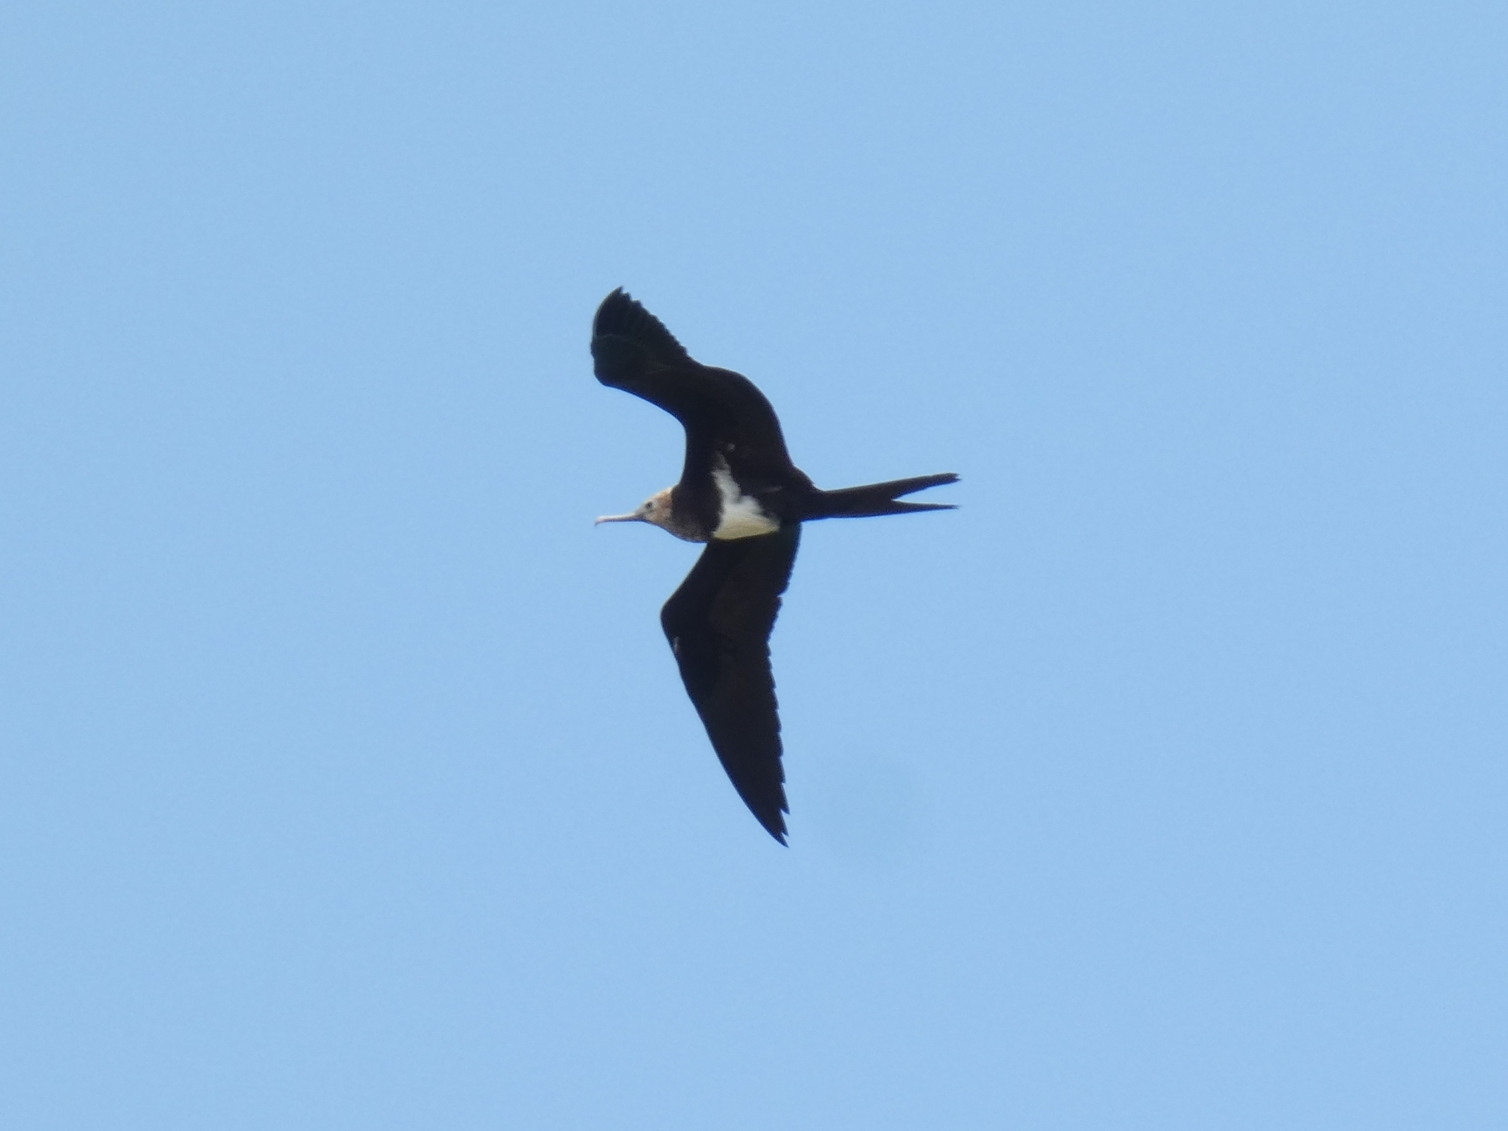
621 315
617 299
774 823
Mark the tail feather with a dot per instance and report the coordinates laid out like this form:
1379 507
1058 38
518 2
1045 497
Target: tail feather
880 498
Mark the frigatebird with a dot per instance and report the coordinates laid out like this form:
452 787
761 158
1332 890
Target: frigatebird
741 495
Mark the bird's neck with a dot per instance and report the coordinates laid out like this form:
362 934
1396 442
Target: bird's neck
679 517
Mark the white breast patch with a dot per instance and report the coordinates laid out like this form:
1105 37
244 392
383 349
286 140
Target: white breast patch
742 517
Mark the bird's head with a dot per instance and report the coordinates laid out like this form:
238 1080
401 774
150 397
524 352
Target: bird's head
656 510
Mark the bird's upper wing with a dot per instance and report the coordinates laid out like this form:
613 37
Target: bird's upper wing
718 624
723 413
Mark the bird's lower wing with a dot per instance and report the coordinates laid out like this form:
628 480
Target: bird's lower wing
718 624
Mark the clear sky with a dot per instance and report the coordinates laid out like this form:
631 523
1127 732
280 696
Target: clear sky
346 780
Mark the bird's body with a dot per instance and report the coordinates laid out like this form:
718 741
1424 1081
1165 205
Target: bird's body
740 493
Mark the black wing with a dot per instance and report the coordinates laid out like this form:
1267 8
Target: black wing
721 411
718 624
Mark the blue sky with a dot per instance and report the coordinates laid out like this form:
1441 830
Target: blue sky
345 778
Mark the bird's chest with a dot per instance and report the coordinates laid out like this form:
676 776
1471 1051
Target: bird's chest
740 515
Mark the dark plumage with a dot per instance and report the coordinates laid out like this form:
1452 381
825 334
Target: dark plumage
739 493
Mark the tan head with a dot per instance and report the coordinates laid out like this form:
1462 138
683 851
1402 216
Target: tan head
659 510
656 511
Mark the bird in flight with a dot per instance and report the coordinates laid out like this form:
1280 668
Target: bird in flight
741 495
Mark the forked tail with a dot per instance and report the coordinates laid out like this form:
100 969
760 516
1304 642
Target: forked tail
879 498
